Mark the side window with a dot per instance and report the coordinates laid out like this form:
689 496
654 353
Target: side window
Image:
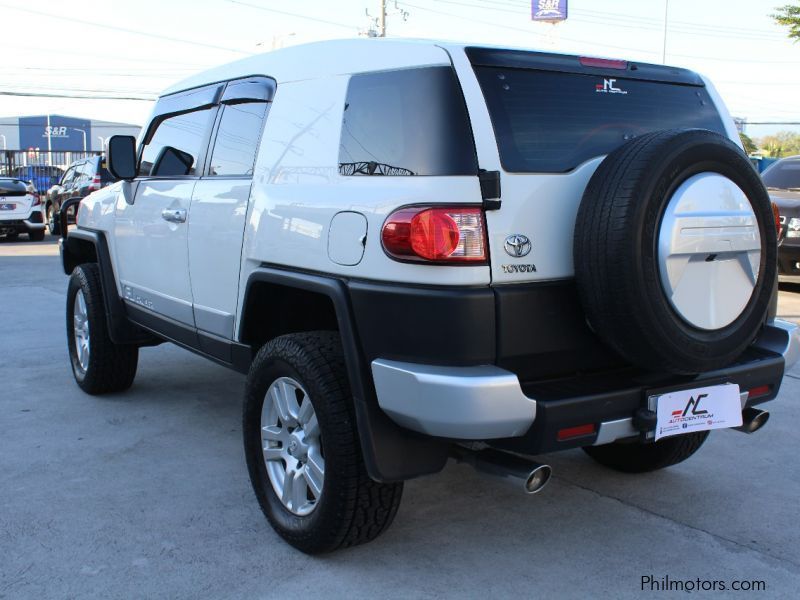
185 133
68 175
237 139
407 122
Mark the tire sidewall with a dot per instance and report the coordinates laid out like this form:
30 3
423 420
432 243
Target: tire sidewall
77 282
683 163
623 294
268 367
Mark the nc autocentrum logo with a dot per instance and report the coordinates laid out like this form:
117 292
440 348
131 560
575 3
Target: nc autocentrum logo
692 411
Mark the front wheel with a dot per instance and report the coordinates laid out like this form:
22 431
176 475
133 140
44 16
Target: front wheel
638 457
303 451
98 364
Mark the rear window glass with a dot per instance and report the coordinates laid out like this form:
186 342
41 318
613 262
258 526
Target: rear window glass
784 174
13 187
407 122
551 122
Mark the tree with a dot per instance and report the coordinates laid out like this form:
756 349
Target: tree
749 145
789 16
783 143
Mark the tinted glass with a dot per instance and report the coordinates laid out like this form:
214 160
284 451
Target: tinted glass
13 187
185 132
551 122
409 122
784 174
237 139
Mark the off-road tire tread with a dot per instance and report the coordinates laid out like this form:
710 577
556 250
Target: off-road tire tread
112 367
365 508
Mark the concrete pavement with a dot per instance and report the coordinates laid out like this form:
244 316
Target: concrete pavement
146 494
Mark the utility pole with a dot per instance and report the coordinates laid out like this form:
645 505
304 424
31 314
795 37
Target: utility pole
378 24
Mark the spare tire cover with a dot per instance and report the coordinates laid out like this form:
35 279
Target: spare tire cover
675 251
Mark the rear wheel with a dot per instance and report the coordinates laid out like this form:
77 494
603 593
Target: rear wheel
98 364
638 457
52 227
303 451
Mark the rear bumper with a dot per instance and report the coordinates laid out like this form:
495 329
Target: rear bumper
490 403
33 222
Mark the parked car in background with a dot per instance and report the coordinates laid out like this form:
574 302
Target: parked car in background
79 180
41 176
20 209
783 184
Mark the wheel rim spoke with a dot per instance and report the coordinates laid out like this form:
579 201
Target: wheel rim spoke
299 491
314 472
291 443
80 328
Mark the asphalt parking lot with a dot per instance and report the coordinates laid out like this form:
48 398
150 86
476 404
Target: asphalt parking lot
145 494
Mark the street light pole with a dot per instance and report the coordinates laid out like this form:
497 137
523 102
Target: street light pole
84 136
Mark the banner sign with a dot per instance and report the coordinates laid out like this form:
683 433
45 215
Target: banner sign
64 133
549 10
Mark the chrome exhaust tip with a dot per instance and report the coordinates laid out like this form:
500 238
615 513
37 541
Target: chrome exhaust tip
753 419
533 475
538 479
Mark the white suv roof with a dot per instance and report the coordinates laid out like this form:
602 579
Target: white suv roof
328 58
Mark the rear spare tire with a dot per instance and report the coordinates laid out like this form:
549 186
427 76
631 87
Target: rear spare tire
675 251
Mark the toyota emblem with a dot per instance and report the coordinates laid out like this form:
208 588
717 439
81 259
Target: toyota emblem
517 245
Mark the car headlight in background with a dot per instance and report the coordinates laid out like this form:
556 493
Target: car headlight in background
793 227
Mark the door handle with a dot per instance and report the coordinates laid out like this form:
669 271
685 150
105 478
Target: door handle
174 215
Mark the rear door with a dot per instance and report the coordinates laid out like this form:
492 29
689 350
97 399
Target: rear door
219 204
151 226
546 122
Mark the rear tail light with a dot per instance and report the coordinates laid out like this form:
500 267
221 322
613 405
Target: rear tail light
436 234
777 214
37 200
95 184
603 63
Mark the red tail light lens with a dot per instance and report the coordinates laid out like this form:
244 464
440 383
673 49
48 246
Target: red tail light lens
777 214
440 234
37 200
95 185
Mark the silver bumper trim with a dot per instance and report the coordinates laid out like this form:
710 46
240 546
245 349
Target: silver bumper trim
782 337
470 403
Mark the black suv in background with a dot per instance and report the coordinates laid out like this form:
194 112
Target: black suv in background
81 178
782 180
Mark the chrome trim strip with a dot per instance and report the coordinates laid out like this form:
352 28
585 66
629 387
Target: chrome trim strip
469 403
611 431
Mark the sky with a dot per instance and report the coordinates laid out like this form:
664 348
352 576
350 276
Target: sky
134 49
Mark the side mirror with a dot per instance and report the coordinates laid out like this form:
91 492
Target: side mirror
172 162
122 156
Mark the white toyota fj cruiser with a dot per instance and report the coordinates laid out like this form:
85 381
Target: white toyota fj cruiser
421 250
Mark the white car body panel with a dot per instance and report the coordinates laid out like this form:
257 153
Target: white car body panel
297 191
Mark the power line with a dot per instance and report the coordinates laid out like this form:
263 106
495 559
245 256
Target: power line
291 14
81 96
122 29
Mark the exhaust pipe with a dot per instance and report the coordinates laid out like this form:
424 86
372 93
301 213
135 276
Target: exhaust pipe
753 419
533 475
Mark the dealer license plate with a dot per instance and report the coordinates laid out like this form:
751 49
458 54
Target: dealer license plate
698 409
7 206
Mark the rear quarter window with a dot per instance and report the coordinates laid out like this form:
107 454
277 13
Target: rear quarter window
551 122
406 122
